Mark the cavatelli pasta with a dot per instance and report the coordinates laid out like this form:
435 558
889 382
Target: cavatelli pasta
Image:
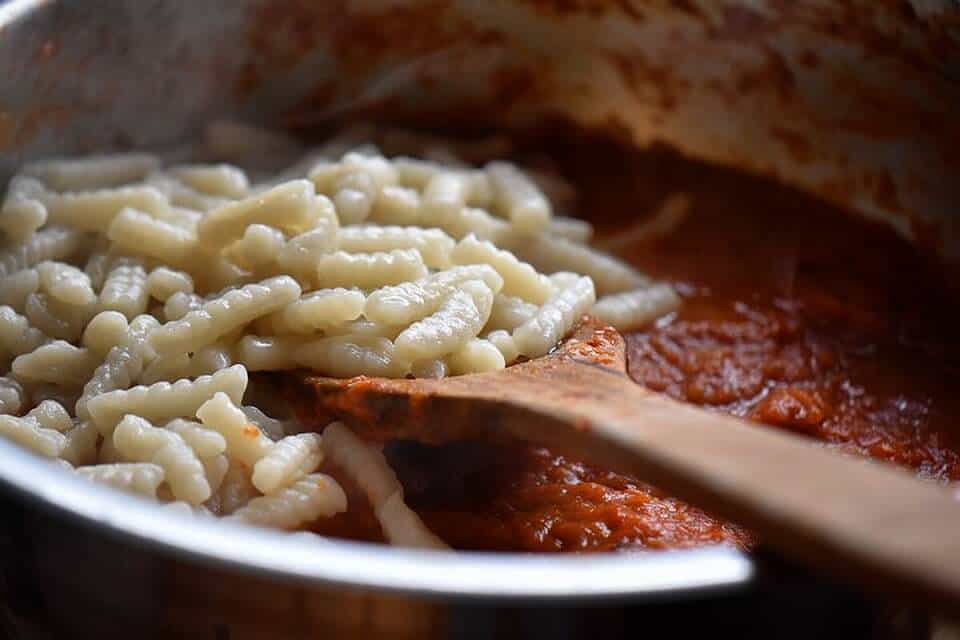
519 278
245 442
317 310
459 318
28 433
95 210
314 496
369 270
220 180
555 318
125 287
93 172
15 288
139 232
518 197
12 396
52 243
411 301
142 478
65 282
104 331
433 244
57 362
289 459
638 308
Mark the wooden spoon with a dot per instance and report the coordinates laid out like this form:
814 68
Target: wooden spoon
863 520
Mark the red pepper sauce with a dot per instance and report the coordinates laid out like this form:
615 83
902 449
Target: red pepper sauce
795 315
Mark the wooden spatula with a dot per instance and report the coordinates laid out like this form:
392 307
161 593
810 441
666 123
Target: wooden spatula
864 520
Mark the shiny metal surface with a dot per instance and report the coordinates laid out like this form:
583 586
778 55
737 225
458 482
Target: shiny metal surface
739 89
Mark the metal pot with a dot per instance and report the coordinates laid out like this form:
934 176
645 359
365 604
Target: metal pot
763 86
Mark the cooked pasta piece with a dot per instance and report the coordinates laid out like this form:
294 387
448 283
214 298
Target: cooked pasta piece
205 442
314 496
119 370
398 206
316 310
288 460
236 490
268 353
140 232
125 287
180 304
93 172
636 309
459 318
210 359
429 368
292 206
476 356
163 282
55 318
15 288
52 243
104 331
245 442
550 254
81 444
12 397
163 401
503 340
139 441
57 362
299 256
215 470
433 244
28 433
50 414
95 210
225 313
369 270
518 197
168 366
445 195
17 336
477 222
65 282
519 278
22 211
403 527
573 229
556 317
509 312
221 180
411 301
258 247
142 478
350 355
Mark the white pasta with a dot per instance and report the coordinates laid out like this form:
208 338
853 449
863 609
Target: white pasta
104 331
317 310
459 318
288 460
142 478
555 318
445 195
236 490
636 309
205 442
162 402
292 207
52 243
222 315
215 469
139 441
397 206
268 353
429 368
411 301
550 253
15 288
22 212
519 278
518 197
245 442
50 414
476 356
163 282
210 359
136 231
300 254
125 287
95 210
509 312
55 318
477 222
65 282
433 244
258 247
403 527
220 180
119 370
168 366
317 495
17 336
350 355
369 270
180 304
28 433
81 444
12 397
57 362
503 340
573 229
93 172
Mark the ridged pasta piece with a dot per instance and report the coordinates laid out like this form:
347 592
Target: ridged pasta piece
52 243
139 232
477 222
245 442
222 315
119 370
163 401
415 173
459 318
22 212
180 304
98 264
57 362
205 442
236 490
369 469
259 246
349 356
215 470
125 287
519 278
81 444
292 206
28 433
369 270
518 197
12 396
573 229
210 359
299 256
509 312
268 353
168 366
17 336
476 356
315 496
288 460
636 309
95 210
275 429
398 206
15 288
65 282
57 319
50 414
104 331
142 478
445 195
139 441
429 368
556 317
93 172
503 340
316 310
433 244
610 275
411 301
163 282
221 180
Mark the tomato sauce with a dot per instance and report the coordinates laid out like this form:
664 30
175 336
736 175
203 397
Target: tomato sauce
795 315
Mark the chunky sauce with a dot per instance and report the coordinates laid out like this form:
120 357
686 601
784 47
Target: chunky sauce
794 315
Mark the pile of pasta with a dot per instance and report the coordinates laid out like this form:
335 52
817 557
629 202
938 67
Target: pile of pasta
135 298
